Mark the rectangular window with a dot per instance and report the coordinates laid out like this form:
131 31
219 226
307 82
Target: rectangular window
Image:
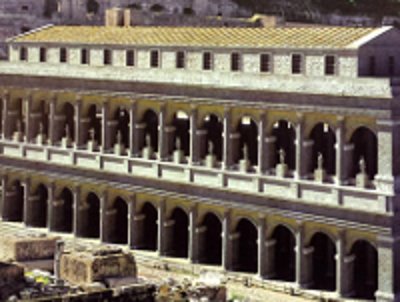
391 66
180 59
207 61
154 58
42 54
235 61
84 56
330 65
23 54
63 55
297 63
107 60
372 65
265 62
130 58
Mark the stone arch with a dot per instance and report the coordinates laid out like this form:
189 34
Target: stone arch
323 268
284 257
63 212
285 135
365 274
210 239
37 207
324 140
13 201
179 233
150 120
248 129
181 122
213 128
117 222
365 146
90 216
149 233
245 251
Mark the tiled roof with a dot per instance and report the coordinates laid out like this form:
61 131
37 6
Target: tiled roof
280 37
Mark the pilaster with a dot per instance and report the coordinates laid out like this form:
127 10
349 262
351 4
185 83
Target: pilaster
134 144
162 143
227 150
262 154
226 242
299 149
161 240
194 152
193 240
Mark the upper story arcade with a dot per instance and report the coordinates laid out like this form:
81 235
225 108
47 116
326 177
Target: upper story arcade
342 61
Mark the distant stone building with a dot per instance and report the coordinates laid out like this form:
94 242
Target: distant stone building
270 151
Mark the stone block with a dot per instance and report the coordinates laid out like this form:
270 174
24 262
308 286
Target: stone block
85 267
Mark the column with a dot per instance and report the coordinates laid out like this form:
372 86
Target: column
78 130
103 221
76 219
161 246
261 270
162 148
194 141
388 272
340 160
227 151
28 127
50 208
226 242
53 124
5 127
299 149
303 260
134 146
344 268
262 161
27 211
193 238
105 131
132 230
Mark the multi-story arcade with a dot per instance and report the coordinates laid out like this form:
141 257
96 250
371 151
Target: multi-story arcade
270 151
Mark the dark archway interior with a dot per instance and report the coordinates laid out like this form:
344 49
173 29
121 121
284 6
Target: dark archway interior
249 137
182 126
16 212
214 128
39 208
324 142
150 118
121 228
180 234
122 117
365 270
20 118
247 247
285 256
324 264
1 116
44 117
67 212
93 217
213 240
92 7
69 112
150 227
285 139
366 146
95 123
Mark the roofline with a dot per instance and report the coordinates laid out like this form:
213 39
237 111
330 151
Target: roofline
8 40
369 37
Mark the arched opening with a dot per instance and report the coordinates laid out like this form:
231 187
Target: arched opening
365 270
92 7
122 118
92 219
324 143
323 262
246 244
44 119
13 208
63 213
214 127
17 120
120 231
211 240
366 147
285 136
182 125
248 131
95 123
150 232
180 234
150 119
69 112
285 257
38 207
